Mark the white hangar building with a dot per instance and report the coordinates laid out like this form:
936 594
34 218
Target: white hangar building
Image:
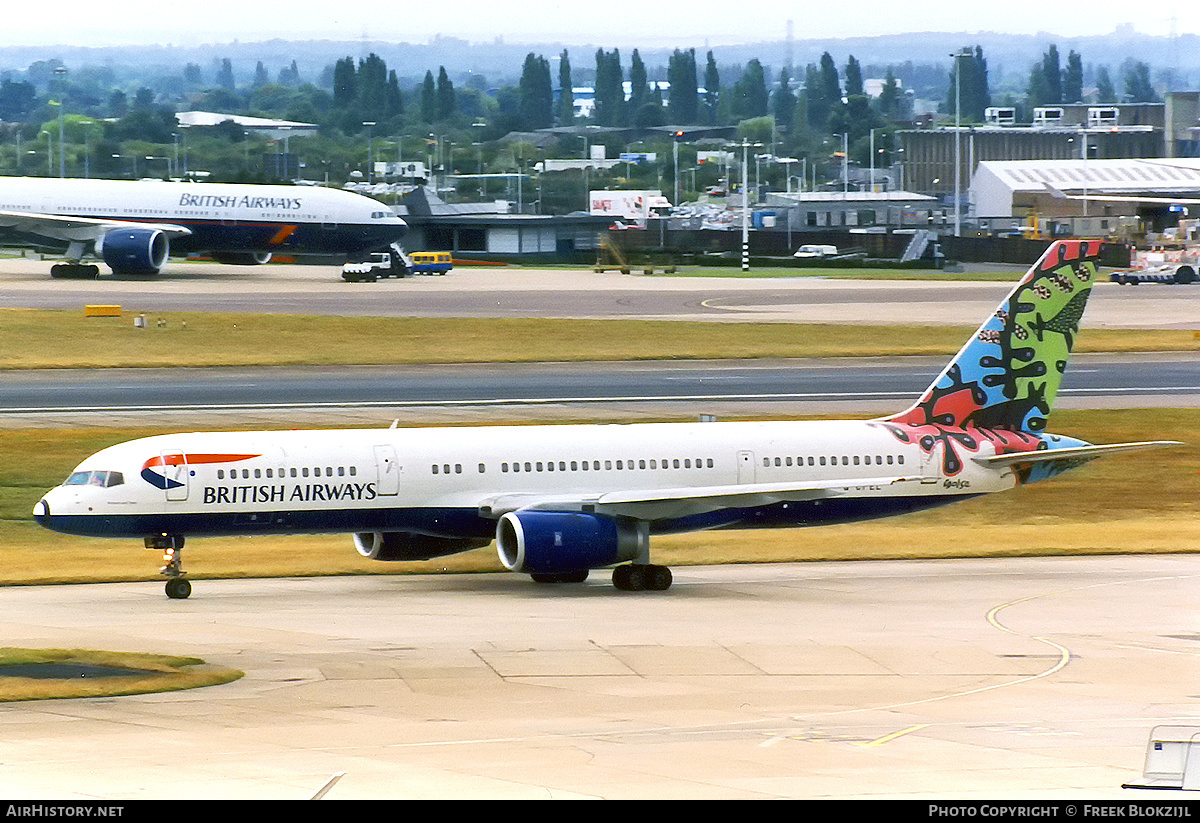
1020 188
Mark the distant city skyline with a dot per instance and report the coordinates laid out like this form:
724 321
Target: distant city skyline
697 22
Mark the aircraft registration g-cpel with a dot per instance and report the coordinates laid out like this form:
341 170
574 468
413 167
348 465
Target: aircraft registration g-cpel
560 500
134 226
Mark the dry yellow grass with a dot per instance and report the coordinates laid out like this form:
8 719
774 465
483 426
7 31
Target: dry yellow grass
31 339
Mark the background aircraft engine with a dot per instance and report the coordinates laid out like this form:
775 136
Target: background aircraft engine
242 258
133 251
557 542
411 546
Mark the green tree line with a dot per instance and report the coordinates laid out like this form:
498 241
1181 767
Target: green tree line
363 105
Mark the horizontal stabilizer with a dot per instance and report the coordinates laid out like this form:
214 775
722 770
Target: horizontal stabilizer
1075 453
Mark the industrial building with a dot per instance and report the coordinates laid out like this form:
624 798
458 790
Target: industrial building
803 211
1004 191
927 156
486 230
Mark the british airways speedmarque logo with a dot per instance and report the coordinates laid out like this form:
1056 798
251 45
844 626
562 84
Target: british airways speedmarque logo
155 471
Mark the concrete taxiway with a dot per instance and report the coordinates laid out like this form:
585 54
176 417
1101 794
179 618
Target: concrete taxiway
1016 678
520 292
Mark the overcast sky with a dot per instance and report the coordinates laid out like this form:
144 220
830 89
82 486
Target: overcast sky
658 22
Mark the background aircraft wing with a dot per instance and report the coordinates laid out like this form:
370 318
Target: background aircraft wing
59 227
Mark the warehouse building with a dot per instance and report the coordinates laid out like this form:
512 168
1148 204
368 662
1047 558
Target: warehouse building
1091 193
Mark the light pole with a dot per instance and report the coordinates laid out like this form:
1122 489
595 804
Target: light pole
845 155
676 137
370 126
873 158
61 73
958 136
787 162
49 152
745 209
87 149
746 144
479 126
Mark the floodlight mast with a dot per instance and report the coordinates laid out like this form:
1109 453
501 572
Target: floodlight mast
958 137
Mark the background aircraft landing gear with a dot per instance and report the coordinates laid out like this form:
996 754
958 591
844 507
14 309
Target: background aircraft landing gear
178 586
74 271
637 577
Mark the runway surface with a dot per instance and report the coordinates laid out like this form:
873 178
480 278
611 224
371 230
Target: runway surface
768 386
981 679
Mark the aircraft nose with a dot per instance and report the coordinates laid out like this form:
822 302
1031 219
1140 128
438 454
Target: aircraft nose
41 513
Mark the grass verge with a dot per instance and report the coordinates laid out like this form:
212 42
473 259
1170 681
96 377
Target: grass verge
46 339
148 673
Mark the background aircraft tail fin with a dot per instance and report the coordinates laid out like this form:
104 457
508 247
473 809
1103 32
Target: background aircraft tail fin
1008 374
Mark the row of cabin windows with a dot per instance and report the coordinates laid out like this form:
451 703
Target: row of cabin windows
303 471
609 465
583 465
846 460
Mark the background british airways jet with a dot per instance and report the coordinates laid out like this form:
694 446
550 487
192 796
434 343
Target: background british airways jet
134 226
562 500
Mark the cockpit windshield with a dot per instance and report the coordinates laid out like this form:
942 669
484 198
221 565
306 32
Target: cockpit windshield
95 478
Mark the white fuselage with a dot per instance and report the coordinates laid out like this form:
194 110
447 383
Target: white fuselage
158 200
217 216
671 475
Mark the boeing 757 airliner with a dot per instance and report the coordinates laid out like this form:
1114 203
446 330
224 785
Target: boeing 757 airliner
133 226
561 500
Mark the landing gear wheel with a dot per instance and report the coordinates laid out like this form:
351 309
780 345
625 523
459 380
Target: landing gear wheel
637 577
171 545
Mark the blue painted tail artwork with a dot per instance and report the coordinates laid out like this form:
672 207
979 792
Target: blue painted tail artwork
1001 385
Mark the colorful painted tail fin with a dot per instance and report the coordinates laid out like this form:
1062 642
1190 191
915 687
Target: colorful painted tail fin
1007 375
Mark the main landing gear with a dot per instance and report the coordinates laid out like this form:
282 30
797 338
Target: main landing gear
178 586
630 577
637 577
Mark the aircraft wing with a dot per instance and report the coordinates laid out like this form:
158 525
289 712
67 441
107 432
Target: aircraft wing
1080 454
77 229
654 504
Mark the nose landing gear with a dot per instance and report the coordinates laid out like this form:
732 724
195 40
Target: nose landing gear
178 587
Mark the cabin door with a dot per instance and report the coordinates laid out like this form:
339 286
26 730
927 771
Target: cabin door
745 468
175 473
388 479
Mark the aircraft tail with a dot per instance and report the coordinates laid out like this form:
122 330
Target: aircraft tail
1007 375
